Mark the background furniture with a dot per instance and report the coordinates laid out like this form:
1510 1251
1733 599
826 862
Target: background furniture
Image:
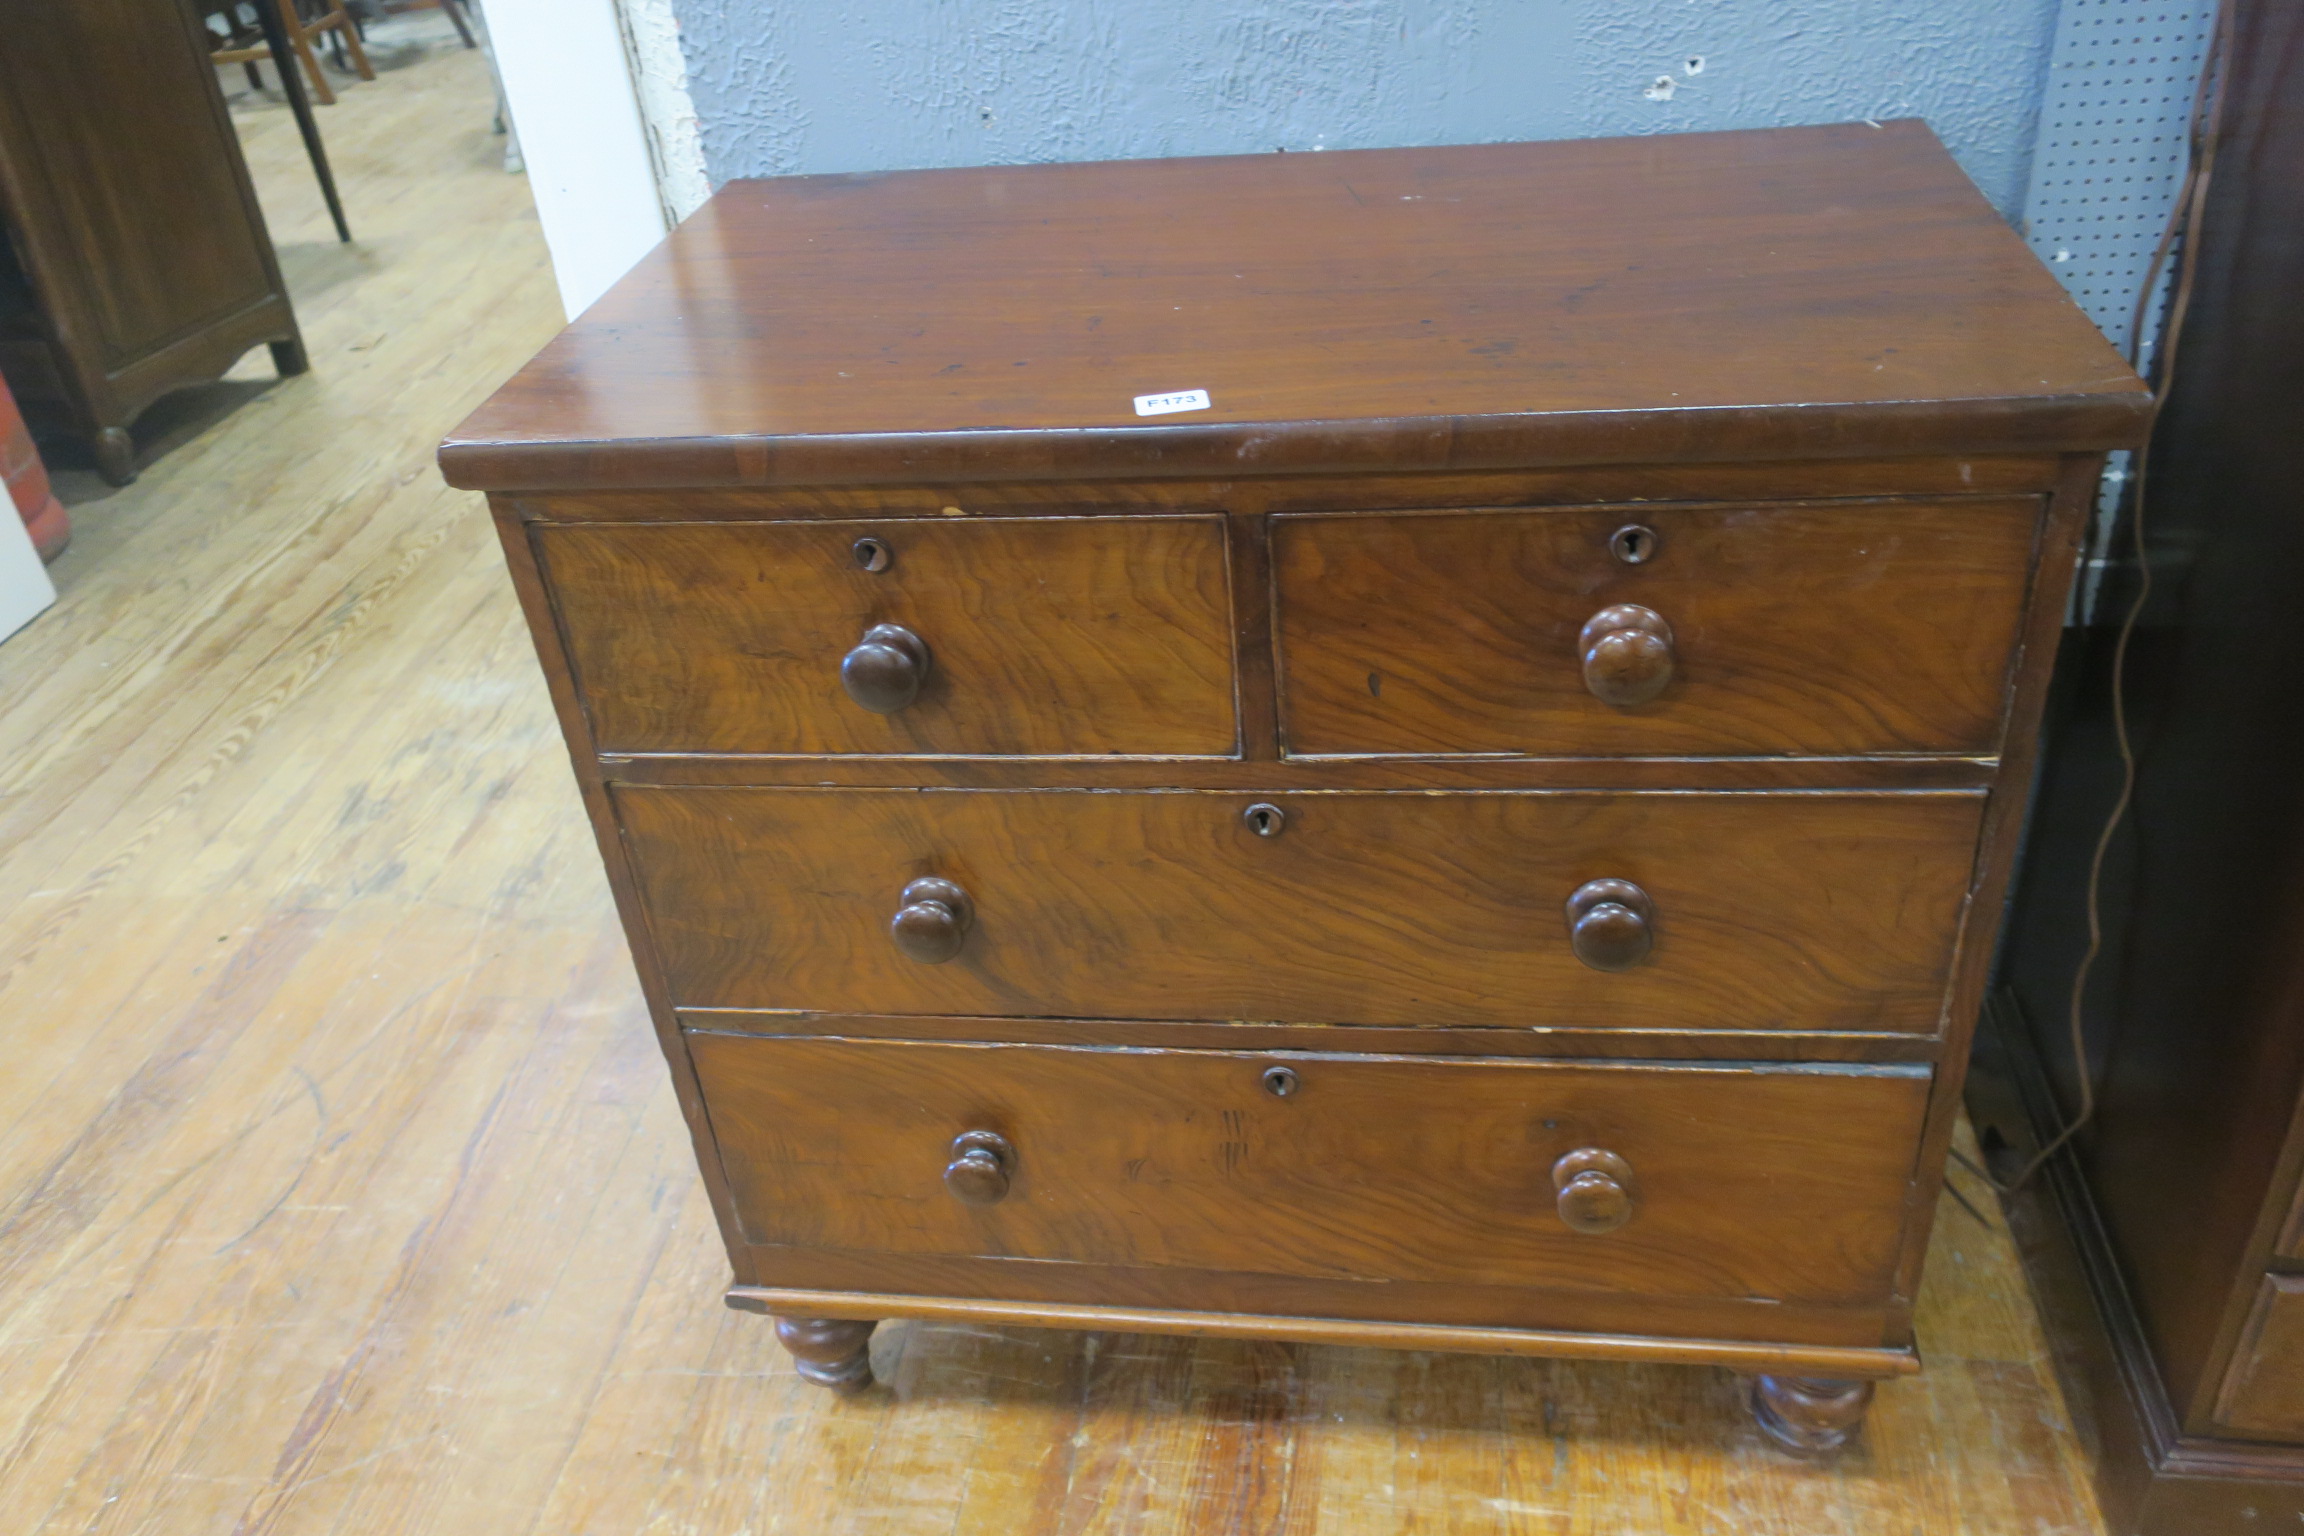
1550 770
456 10
2169 1248
304 20
265 37
136 259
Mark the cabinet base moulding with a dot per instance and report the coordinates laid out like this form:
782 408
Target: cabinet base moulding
1787 1360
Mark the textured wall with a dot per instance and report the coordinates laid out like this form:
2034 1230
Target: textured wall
859 85
660 81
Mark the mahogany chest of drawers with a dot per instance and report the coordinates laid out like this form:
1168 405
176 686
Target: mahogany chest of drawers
1413 747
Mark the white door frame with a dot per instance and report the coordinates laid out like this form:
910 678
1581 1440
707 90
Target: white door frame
568 78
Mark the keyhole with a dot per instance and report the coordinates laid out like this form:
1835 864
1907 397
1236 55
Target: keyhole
873 555
1265 820
1634 544
1279 1082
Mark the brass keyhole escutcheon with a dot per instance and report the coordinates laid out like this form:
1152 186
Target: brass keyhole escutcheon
1265 820
1281 1082
873 554
1634 543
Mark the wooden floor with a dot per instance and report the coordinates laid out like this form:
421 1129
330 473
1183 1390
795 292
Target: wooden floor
341 1188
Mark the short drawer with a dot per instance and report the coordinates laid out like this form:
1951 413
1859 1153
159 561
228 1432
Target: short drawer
1763 911
1785 1183
1056 636
1814 629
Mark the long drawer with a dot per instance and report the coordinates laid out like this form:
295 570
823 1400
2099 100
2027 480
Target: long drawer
1789 910
1030 636
1786 1184
1818 628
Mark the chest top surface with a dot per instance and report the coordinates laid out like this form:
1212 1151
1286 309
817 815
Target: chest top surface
1831 291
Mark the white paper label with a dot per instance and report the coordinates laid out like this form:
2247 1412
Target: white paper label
1181 400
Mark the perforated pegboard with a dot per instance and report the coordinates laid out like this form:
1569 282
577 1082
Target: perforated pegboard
2121 77
2111 156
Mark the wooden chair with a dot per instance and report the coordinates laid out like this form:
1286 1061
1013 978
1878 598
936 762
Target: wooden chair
237 44
327 16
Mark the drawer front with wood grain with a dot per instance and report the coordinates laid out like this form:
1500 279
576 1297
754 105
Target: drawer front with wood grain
1829 629
1788 1184
1672 910
978 636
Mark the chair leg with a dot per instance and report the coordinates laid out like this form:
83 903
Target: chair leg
301 41
299 103
349 31
455 10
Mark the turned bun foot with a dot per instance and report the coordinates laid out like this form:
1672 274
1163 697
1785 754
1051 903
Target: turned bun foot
1808 1415
829 1351
115 456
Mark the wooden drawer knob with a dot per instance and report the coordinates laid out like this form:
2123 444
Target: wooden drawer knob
1627 652
1610 924
932 920
982 1164
885 671
1596 1192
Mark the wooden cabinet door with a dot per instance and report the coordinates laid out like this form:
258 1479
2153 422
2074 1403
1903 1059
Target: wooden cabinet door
115 145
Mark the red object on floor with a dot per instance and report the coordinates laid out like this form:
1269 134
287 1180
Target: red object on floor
27 481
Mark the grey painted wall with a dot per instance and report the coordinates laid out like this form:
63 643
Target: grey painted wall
784 86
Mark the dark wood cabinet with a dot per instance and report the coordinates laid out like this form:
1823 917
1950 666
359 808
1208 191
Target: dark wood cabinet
136 259
1473 839
2169 1246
